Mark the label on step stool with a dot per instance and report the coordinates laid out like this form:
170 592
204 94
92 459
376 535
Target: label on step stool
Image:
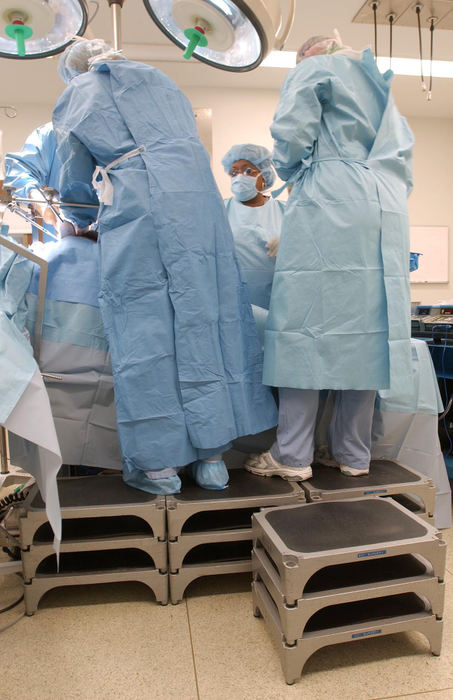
370 493
365 634
377 553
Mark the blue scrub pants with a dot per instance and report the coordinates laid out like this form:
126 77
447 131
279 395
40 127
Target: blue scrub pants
349 432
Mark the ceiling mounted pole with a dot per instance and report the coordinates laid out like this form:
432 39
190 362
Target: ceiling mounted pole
432 21
374 7
418 8
391 18
117 6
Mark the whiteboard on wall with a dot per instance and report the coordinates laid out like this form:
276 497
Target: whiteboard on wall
432 242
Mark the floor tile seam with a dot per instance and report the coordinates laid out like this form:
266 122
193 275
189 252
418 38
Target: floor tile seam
192 648
408 695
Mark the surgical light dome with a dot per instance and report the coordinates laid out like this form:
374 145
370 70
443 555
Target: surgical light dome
233 36
39 28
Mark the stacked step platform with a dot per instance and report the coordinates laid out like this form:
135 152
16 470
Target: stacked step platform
337 571
110 532
210 532
413 490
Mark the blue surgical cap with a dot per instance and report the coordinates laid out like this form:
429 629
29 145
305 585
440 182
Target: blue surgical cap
76 58
257 155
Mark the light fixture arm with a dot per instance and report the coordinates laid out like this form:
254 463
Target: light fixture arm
283 33
116 6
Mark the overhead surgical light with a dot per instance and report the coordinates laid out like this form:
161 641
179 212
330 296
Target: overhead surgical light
39 28
233 36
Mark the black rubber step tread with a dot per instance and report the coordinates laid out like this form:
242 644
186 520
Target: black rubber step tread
242 484
94 528
222 520
360 611
383 472
102 490
98 560
328 525
219 552
361 573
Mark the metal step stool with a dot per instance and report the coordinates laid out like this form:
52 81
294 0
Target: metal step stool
118 533
302 539
362 619
345 583
210 532
386 478
103 496
96 566
88 534
318 563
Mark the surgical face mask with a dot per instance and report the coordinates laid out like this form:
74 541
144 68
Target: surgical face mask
243 187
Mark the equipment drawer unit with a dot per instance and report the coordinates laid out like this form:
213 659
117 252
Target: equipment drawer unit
199 510
346 583
347 622
93 497
386 477
210 559
301 540
106 566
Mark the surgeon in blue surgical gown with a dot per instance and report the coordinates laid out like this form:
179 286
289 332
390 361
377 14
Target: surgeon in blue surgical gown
340 305
36 165
185 352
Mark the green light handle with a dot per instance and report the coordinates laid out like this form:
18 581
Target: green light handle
19 32
196 38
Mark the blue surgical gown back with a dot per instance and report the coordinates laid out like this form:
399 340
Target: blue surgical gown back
340 307
185 353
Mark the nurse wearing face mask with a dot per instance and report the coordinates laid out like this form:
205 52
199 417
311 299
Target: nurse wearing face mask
255 219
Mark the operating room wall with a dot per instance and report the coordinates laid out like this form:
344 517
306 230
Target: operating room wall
431 202
29 116
240 116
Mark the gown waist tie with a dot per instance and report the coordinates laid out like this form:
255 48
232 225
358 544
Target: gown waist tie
104 186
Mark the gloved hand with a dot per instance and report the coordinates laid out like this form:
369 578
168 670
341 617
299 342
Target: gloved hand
42 210
272 247
65 228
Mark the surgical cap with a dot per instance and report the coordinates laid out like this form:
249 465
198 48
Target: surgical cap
318 45
76 59
257 155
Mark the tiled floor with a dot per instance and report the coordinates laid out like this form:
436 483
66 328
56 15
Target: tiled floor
113 642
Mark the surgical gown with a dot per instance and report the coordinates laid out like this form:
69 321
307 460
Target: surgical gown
75 349
340 309
252 228
35 165
186 358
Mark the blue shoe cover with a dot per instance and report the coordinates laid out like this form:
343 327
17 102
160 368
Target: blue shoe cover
209 475
138 479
